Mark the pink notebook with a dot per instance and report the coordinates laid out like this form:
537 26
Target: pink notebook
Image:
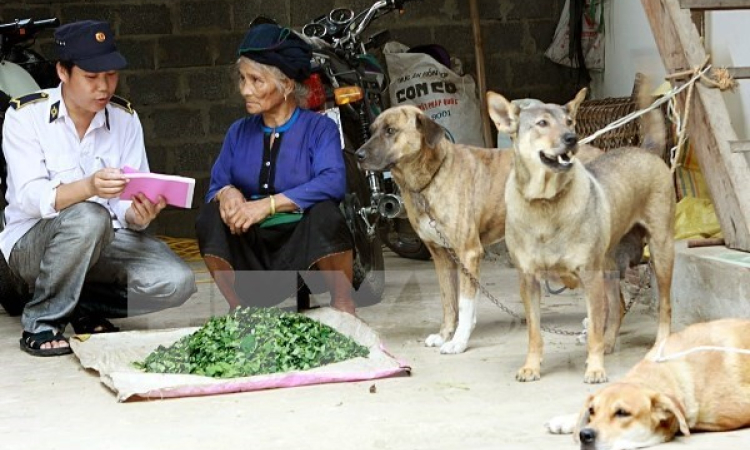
178 191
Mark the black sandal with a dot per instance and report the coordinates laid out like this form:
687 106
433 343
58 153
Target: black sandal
93 325
32 343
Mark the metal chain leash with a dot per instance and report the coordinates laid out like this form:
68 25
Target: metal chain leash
635 296
422 202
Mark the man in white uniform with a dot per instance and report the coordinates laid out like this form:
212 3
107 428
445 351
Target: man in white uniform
75 246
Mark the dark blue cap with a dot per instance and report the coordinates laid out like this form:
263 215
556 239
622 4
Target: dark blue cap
273 45
90 45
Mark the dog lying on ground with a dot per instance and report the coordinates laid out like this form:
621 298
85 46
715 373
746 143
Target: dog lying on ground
676 387
464 187
566 219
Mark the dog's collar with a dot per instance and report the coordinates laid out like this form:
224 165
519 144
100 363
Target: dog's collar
434 174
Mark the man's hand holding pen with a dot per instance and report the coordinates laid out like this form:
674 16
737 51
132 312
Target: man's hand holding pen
107 182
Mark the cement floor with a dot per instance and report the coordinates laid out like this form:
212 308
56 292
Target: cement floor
466 401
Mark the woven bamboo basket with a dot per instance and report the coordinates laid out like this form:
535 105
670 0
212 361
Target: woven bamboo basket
593 115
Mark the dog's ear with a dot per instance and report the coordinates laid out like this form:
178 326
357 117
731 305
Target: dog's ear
667 411
583 419
431 131
503 113
572 106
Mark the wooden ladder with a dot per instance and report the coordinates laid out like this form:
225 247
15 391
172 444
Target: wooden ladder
677 26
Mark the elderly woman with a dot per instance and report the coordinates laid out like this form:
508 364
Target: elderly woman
271 210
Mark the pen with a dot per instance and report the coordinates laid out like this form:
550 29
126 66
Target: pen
102 164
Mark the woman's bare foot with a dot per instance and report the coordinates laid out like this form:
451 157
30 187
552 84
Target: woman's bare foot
344 305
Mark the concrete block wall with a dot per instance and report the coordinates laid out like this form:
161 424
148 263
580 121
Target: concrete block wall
180 55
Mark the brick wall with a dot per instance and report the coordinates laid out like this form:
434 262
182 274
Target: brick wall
180 54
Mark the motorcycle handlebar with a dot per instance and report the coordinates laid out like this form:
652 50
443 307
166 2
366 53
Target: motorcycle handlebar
365 22
373 11
27 28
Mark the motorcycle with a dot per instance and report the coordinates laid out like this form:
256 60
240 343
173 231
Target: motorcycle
355 83
22 71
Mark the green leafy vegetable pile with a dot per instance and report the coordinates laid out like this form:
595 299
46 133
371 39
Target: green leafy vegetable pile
254 341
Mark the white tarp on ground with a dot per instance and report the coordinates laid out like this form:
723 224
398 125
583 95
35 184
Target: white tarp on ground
113 354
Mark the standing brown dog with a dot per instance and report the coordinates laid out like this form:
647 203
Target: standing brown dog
464 187
566 218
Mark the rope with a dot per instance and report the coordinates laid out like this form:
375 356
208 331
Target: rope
722 80
636 114
659 358
676 151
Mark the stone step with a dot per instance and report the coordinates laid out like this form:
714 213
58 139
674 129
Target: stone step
709 283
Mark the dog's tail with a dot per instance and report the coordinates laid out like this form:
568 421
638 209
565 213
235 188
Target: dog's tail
653 130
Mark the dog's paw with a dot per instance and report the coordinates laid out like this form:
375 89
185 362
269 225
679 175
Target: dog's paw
434 340
528 374
595 376
453 347
564 424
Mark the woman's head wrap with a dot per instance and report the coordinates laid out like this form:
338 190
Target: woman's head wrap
279 47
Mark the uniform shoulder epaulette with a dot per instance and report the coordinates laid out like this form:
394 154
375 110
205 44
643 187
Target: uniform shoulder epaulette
121 103
20 102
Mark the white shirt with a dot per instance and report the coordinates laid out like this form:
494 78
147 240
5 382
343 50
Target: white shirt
42 151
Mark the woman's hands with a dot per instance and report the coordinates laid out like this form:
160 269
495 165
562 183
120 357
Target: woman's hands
238 214
230 200
142 211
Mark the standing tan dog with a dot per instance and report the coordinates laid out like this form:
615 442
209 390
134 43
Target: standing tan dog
697 380
464 187
566 218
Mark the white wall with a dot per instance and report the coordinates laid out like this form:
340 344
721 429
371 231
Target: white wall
631 48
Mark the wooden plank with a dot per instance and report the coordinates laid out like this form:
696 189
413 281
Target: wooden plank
715 4
739 72
727 174
481 77
739 146
699 19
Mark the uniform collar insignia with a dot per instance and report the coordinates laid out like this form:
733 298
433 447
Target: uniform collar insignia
54 111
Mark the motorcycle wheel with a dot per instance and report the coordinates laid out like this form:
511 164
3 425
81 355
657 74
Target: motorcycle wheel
369 274
399 236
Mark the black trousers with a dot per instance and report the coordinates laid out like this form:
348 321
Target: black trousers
269 261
